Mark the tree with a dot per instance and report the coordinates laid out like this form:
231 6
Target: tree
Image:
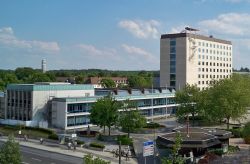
104 112
10 152
89 159
130 119
227 99
139 81
38 77
108 83
175 157
188 99
79 79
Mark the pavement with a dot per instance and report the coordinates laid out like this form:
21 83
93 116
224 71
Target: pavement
53 149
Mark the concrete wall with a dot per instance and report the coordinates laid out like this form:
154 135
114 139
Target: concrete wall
59 119
40 99
164 62
181 64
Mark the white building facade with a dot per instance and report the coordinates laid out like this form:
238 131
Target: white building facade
28 104
193 59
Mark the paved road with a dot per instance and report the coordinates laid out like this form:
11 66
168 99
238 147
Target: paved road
31 156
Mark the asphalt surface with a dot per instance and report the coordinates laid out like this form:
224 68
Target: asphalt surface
37 156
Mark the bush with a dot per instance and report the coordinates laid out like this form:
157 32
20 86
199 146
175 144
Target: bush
216 151
246 133
238 133
97 145
53 136
152 125
124 140
232 149
79 142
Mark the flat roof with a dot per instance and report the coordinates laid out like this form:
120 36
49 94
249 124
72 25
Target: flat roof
49 86
197 36
194 140
221 134
117 97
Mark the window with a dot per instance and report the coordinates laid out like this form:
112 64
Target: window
172 43
172 50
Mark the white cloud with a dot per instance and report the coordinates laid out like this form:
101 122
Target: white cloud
9 40
93 51
141 29
229 23
140 53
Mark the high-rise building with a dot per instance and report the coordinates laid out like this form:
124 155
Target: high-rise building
190 58
43 66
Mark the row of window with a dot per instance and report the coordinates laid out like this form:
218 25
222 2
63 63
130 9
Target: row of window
206 82
213 58
214 64
213 76
219 46
214 52
214 70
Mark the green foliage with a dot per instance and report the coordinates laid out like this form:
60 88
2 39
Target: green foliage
89 159
233 149
104 112
79 142
79 79
152 125
10 152
136 81
125 140
53 136
227 99
97 145
188 99
237 133
246 133
130 119
175 158
108 83
217 151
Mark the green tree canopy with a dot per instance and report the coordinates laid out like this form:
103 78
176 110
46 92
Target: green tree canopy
104 112
10 152
139 81
130 119
108 83
188 99
227 99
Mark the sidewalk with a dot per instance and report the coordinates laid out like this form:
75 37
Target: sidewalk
62 149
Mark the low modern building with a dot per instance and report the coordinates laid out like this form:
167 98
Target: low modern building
67 106
73 112
28 104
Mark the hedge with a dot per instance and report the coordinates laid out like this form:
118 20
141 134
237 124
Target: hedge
53 136
246 133
79 142
97 145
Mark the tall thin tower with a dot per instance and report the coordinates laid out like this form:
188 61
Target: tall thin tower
44 65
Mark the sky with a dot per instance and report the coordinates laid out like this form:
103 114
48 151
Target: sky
113 34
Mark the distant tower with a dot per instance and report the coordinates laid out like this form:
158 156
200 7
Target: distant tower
44 65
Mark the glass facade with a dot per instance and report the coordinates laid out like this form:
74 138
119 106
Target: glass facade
77 120
172 63
83 119
79 107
